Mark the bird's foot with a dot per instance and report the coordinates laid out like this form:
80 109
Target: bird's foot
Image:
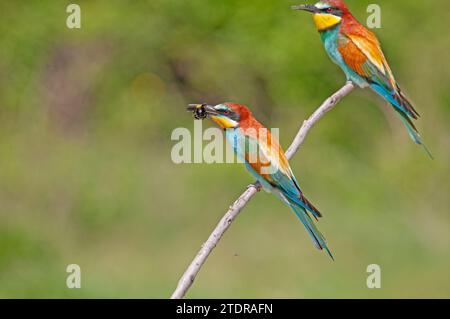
256 185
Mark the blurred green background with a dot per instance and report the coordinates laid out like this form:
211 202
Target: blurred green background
86 176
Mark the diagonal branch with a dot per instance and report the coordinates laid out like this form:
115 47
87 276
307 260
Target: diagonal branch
191 272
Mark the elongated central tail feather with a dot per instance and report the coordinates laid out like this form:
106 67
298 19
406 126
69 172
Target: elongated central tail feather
317 237
405 111
415 136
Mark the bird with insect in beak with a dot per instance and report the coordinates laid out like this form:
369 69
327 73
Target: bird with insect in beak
264 159
358 52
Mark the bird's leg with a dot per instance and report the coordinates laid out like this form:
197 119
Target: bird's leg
256 185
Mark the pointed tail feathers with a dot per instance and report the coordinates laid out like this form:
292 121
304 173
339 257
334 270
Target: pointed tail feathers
413 133
406 112
317 237
404 102
302 201
310 207
397 99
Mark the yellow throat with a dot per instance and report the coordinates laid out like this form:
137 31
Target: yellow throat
224 122
325 21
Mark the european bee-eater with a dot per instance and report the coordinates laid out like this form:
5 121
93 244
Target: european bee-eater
358 52
264 159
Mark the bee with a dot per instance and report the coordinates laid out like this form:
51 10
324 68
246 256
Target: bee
198 110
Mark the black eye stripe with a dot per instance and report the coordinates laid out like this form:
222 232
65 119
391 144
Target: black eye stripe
232 115
332 10
229 113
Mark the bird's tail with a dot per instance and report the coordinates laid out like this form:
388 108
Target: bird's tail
413 133
405 110
317 237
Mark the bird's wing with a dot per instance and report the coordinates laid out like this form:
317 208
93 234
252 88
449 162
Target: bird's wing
265 156
273 166
281 178
362 52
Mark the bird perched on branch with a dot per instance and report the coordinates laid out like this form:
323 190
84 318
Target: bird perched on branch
264 158
358 52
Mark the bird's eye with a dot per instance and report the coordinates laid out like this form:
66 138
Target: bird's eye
329 10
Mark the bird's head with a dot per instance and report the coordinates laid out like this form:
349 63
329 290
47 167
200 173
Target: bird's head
226 115
326 13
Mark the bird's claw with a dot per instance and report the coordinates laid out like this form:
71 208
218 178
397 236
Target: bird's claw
257 186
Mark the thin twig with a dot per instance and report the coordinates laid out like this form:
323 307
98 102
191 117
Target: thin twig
191 272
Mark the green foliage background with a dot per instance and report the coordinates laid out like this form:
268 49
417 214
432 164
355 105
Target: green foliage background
86 176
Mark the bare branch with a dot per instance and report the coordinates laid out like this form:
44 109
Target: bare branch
191 272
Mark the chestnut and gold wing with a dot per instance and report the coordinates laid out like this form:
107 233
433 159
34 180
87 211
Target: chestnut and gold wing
265 155
272 165
362 53
364 56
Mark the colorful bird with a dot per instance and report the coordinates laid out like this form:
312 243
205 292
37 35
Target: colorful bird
264 158
358 52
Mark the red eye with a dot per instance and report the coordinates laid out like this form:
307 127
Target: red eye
329 10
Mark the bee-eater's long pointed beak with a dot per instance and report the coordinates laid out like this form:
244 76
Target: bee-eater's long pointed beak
305 7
